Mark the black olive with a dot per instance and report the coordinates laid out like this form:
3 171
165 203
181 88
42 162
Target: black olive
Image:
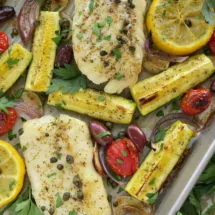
60 166
6 12
43 208
69 159
103 53
77 181
66 196
188 22
80 195
53 160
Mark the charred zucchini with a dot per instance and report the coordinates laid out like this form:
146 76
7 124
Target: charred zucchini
44 51
96 104
13 63
158 90
158 164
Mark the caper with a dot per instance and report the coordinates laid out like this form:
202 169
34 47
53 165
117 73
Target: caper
80 195
53 160
77 181
66 196
60 166
69 159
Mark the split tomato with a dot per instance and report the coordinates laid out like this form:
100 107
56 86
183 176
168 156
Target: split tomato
7 121
123 157
196 101
4 42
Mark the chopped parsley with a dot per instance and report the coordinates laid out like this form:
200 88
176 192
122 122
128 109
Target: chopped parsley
117 53
11 62
152 197
24 148
109 20
72 213
160 113
59 201
96 30
10 135
91 6
101 98
152 181
124 153
58 37
119 161
108 37
119 76
103 134
51 174
12 184
5 103
160 135
80 36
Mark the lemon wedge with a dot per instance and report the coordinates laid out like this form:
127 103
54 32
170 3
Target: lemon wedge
12 172
178 27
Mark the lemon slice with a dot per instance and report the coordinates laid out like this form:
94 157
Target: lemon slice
12 172
178 26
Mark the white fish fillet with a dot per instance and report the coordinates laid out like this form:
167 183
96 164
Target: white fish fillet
88 41
51 137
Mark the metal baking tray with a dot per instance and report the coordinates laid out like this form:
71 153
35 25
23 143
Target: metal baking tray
202 150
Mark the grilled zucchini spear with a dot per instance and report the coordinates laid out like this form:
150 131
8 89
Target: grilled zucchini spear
96 104
158 164
44 51
13 63
153 92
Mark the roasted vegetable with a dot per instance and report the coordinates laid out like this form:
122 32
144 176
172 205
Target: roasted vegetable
96 104
6 13
4 41
156 91
12 64
44 50
158 164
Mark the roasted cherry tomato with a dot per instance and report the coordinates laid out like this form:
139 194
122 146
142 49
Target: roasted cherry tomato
212 43
7 121
196 101
123 157
4 42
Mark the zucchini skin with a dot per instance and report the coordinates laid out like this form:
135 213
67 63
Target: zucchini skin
158 164
10 74
113 109
44 51
154 92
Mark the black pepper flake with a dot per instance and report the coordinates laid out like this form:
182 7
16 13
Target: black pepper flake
106 63
103 53
20 131
66 196
124 31
53 160
59 166
69 159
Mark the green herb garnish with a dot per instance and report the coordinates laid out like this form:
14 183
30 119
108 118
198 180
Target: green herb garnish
109 20
59 201
124 153
117 53
152 197
91 6
101 98
10 135
11 62
58 37
119 161
119 76
152 181
5 103
160 135
12 184
103 134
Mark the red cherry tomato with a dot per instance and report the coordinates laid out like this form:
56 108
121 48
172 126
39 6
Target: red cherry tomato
4 42
123 157
212 43
196 101
7 121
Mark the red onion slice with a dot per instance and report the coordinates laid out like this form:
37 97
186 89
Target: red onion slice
169 119
29 106
26 19
161 54
102 156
